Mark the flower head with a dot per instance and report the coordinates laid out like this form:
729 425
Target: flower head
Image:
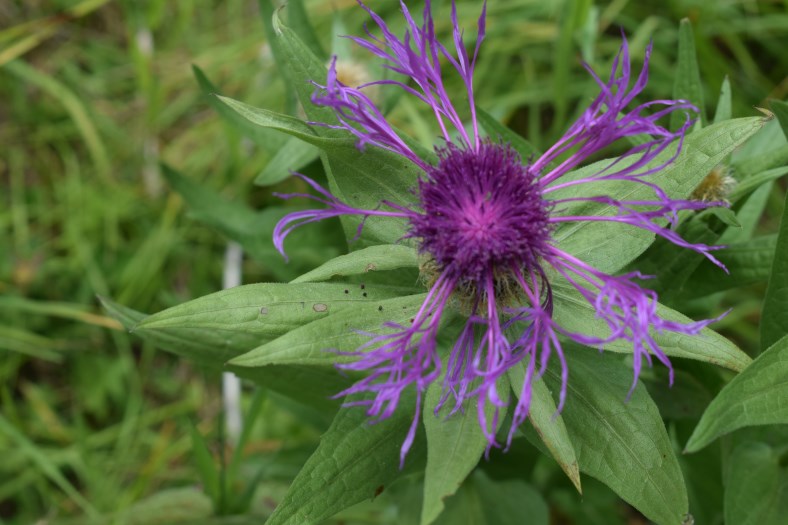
484 222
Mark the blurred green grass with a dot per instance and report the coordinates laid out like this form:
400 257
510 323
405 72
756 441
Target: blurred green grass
94 95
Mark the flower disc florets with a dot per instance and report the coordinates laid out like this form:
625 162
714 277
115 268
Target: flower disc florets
483 213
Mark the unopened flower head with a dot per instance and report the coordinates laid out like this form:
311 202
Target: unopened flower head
484 220
716 186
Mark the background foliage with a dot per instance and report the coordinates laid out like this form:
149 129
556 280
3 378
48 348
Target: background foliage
99 426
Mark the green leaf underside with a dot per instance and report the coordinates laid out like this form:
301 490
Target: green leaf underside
757 396
575 314
756 491
374 258
548 424
317 343
455 443
774 321
623 444
354 461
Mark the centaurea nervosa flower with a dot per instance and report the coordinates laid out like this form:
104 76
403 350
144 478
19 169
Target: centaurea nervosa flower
483 221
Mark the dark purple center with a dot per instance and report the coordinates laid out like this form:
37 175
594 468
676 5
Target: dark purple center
483 213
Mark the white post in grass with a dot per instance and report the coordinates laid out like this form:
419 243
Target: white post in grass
231 385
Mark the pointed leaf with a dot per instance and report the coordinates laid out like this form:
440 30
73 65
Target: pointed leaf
355 461
311 386
240 317
623 444
575 314
318 342
271 119
609 246
455 443
757 396
548 424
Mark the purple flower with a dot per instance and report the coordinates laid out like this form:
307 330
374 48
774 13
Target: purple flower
483 223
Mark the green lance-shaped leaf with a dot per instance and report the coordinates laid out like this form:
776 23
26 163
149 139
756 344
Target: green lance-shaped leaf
317 343
621 443
756 491
271 119
311 386
609 246
242 317
575 314
548 424
686 84
757 396
372 259
355 461
774 321
455 443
